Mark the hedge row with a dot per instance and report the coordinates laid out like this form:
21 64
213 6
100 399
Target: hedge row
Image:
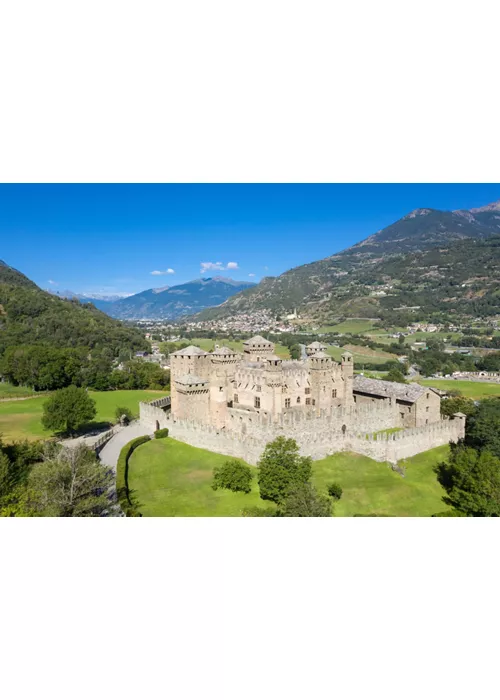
163 432
122 489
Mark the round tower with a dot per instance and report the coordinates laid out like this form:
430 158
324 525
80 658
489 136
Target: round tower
223 363
347 373
321 370
273 392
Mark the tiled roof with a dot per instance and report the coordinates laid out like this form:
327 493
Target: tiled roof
377 387
223 351
322 355
316 344
190 379
190 350
257 340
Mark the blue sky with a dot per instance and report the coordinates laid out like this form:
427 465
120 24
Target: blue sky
110 238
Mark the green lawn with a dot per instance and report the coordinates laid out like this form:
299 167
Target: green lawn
22 419
170 478
8 391
473 390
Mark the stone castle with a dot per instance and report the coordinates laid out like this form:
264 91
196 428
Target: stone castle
234 403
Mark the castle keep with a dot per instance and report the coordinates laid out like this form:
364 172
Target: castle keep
235 403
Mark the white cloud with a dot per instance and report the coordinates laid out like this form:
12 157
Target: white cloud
205 266
164 272
52 282
251 274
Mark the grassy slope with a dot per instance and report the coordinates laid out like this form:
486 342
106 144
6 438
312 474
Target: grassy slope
473 390
22 419
170 478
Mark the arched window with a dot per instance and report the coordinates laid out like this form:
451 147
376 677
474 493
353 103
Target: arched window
298 399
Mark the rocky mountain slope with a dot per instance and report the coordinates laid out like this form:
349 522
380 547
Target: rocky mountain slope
377 275
170 303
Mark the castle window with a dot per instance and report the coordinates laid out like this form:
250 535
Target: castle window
287 403
427 409
428 395
334 393
308 390
258 388
426 421
402 415
298 399
308 401
314 402
256 402
236 398
221 388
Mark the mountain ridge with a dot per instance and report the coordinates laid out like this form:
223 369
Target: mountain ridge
352 282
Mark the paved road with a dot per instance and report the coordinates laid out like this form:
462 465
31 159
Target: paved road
111 451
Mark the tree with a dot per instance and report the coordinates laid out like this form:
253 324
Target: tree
68 409
303 501
472 481
395 375
121 411
233 475
70 483
401 339
335 491
295 352
457 404
281 466
483 427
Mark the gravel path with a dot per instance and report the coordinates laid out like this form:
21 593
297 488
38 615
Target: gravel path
111 451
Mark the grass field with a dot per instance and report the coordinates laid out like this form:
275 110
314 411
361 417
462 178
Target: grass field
352 325
170 478
473 390
8 391
22 419
361 355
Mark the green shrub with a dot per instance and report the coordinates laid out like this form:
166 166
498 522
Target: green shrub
122 490
162 433
450 514
335 491
123 411
233 475
256 512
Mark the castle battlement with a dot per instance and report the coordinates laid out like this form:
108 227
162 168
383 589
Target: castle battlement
236 403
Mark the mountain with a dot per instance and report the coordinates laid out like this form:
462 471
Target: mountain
100 301
170 303
31 316
375 276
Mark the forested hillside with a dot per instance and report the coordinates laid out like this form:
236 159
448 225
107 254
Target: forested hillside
47 342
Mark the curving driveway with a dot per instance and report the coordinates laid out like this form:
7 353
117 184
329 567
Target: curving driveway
111 450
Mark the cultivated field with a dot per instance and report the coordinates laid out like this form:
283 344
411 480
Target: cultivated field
23 419
170 478
473 390
352 325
